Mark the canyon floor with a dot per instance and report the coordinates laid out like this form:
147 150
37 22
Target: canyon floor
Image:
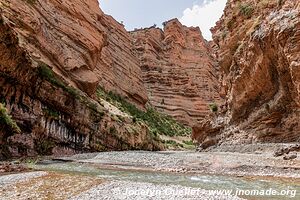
217 174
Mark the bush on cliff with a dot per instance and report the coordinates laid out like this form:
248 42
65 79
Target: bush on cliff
246 10
213 107
45 72
6 119
31 2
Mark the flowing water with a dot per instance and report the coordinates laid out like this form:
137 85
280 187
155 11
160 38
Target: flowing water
209 182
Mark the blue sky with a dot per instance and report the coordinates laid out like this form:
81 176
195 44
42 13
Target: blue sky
143 13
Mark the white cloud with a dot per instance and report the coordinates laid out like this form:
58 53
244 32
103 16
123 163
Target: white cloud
205 15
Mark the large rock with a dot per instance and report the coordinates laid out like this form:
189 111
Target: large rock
179 70
286 150
259 50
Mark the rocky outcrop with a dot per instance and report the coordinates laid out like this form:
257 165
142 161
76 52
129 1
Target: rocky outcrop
258 53
54 54
179 71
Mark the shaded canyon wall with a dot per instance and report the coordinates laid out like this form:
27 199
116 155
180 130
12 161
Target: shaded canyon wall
259 55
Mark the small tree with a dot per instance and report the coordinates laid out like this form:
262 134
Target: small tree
213 107
153 26
246 10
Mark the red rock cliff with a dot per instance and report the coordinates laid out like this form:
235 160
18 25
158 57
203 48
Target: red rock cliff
54 54
259 45
179 71
80 42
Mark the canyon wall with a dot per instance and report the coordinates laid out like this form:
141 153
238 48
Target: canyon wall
79 42
258 52
54 55
179 71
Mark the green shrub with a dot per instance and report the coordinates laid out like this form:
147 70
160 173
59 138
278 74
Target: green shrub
113 130
224 34
46 73
267 107
230 24
174 144
157 122
31 2
92 106
72 91
213 107
7 120
190 142
2 100
280 2
134 119
246 10
51 113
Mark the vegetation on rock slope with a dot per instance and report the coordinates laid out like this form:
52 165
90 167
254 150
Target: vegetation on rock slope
157 122
6 119
45 72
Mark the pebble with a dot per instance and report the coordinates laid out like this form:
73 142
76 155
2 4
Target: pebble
290 156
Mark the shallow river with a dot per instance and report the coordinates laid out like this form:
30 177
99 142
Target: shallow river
209 182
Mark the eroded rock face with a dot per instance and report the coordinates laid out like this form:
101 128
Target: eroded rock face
54 56
179 70
119 69
51 49
259 51
80 42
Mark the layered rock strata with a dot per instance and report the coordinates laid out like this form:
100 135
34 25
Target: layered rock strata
179 70
83 45
54 54
259 45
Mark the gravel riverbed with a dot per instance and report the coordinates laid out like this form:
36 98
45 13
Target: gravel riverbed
48 186
225 163
14 178
124 190
72 181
